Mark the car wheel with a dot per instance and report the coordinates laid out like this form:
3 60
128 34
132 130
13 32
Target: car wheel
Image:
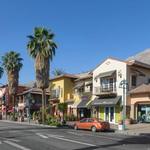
76 127
93 129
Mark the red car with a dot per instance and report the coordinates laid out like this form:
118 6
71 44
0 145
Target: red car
92 124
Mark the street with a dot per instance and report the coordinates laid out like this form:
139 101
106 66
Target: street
27 137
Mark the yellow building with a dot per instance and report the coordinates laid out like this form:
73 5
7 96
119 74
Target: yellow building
61 89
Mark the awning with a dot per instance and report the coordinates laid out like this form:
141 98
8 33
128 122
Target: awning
75 104
106 101
106 74
79 85
83 103
89 83
69 101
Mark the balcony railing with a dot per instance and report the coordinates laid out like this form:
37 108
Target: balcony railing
105 89
55 94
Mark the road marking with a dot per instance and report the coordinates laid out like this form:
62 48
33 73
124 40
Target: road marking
54 135
41 135
73 141
10 139
16 145
0 142
75 133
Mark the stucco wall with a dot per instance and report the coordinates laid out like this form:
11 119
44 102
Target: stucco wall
140 98
68 88
140 79
111 65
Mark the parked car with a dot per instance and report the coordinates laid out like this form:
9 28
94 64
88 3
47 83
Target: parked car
92 124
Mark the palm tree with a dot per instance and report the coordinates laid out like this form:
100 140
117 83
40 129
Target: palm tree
1 72
58 72
12 63
41 47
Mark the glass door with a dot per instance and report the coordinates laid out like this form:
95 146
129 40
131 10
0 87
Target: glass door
110 114
107 114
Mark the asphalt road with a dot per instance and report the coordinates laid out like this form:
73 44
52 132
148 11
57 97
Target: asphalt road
25 137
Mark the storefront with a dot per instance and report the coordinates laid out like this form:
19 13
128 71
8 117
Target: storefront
107 109
140 103
143 112
83 108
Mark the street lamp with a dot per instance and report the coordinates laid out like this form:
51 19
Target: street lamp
124 85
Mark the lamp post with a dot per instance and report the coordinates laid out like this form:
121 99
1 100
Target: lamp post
124 85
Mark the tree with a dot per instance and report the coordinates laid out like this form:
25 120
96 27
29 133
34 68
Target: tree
58 72
1 72
62 107
41 47
12 63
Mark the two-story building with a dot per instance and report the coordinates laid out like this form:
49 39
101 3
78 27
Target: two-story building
83 94
61 91
108 94
139 86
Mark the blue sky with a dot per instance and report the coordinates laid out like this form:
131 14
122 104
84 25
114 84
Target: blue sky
87 31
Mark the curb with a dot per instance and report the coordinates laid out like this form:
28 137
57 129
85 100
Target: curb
29 124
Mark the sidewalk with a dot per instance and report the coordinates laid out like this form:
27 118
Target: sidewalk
32 123
136 129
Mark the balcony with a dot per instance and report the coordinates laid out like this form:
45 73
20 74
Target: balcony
105 89
55 94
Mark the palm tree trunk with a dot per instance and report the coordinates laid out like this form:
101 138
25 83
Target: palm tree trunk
43 106
13 96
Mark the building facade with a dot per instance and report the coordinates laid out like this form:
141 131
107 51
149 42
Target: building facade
83 94
61 91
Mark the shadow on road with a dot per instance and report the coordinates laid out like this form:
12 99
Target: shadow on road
144 139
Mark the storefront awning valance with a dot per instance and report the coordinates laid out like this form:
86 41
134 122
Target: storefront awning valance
106 101
106 74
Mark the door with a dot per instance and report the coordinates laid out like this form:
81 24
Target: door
110 114
82 124
107 114
90 123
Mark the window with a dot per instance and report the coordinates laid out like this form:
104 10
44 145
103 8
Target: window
90 120
83 120
133 80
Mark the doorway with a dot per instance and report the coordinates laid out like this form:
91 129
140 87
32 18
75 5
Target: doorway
109 114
